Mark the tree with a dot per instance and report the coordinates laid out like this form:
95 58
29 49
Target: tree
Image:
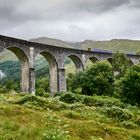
130 85
120 63
42 86
98 79
74 81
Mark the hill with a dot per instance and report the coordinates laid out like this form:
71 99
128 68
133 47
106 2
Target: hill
29 117
51 41
123 45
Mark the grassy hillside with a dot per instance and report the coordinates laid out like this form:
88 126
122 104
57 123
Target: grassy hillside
115 44
52 41
36 118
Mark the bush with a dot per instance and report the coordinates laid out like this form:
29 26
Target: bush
130 85
98 80
41 103
42 86
69 97
120 64
129 124
89 101
42 93
117 113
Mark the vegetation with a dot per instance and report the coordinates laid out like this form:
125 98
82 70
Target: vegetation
96 80
130 85
120 63
32 117
98 106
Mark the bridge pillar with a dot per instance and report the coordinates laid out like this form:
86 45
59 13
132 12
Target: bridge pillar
27 79
24 77
61 80
32 72
32 81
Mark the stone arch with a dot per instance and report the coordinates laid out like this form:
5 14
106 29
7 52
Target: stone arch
53 70
24 62
92 59
77 61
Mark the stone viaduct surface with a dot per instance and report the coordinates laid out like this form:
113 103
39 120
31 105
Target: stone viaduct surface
27 51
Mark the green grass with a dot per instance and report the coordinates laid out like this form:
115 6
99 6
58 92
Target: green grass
115 44
37 118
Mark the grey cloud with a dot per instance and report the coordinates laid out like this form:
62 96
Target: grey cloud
22 10
70 20
97 6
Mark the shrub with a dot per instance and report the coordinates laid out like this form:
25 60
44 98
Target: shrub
97 80
89 101
129 124
41 92
55 134
69 97
38 102
55 128
120 64
42 86
106 101
117 113
130 85
73 115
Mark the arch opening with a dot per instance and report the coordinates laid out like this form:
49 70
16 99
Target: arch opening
110 60
72 65
46 73
90 61
16 66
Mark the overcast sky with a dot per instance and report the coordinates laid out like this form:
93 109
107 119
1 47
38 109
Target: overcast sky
71 20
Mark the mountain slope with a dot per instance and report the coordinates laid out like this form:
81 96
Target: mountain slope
114 44
51 41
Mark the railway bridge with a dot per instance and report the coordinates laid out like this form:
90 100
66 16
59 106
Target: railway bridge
27 51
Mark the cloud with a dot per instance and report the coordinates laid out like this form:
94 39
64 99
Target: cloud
70 20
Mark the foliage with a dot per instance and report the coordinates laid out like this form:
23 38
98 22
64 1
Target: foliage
117 113
55 130
130 85
102 101
32 117
9 85
38 102
74 82
11 69
129 124
96 80
69 97
42 87
120 63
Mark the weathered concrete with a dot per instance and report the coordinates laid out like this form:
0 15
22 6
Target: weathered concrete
27 51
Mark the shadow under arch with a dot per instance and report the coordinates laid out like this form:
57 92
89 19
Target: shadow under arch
53 70
24 63
90 61
77 62
93 59
110 60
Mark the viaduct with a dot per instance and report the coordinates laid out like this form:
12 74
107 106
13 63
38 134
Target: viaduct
27 51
